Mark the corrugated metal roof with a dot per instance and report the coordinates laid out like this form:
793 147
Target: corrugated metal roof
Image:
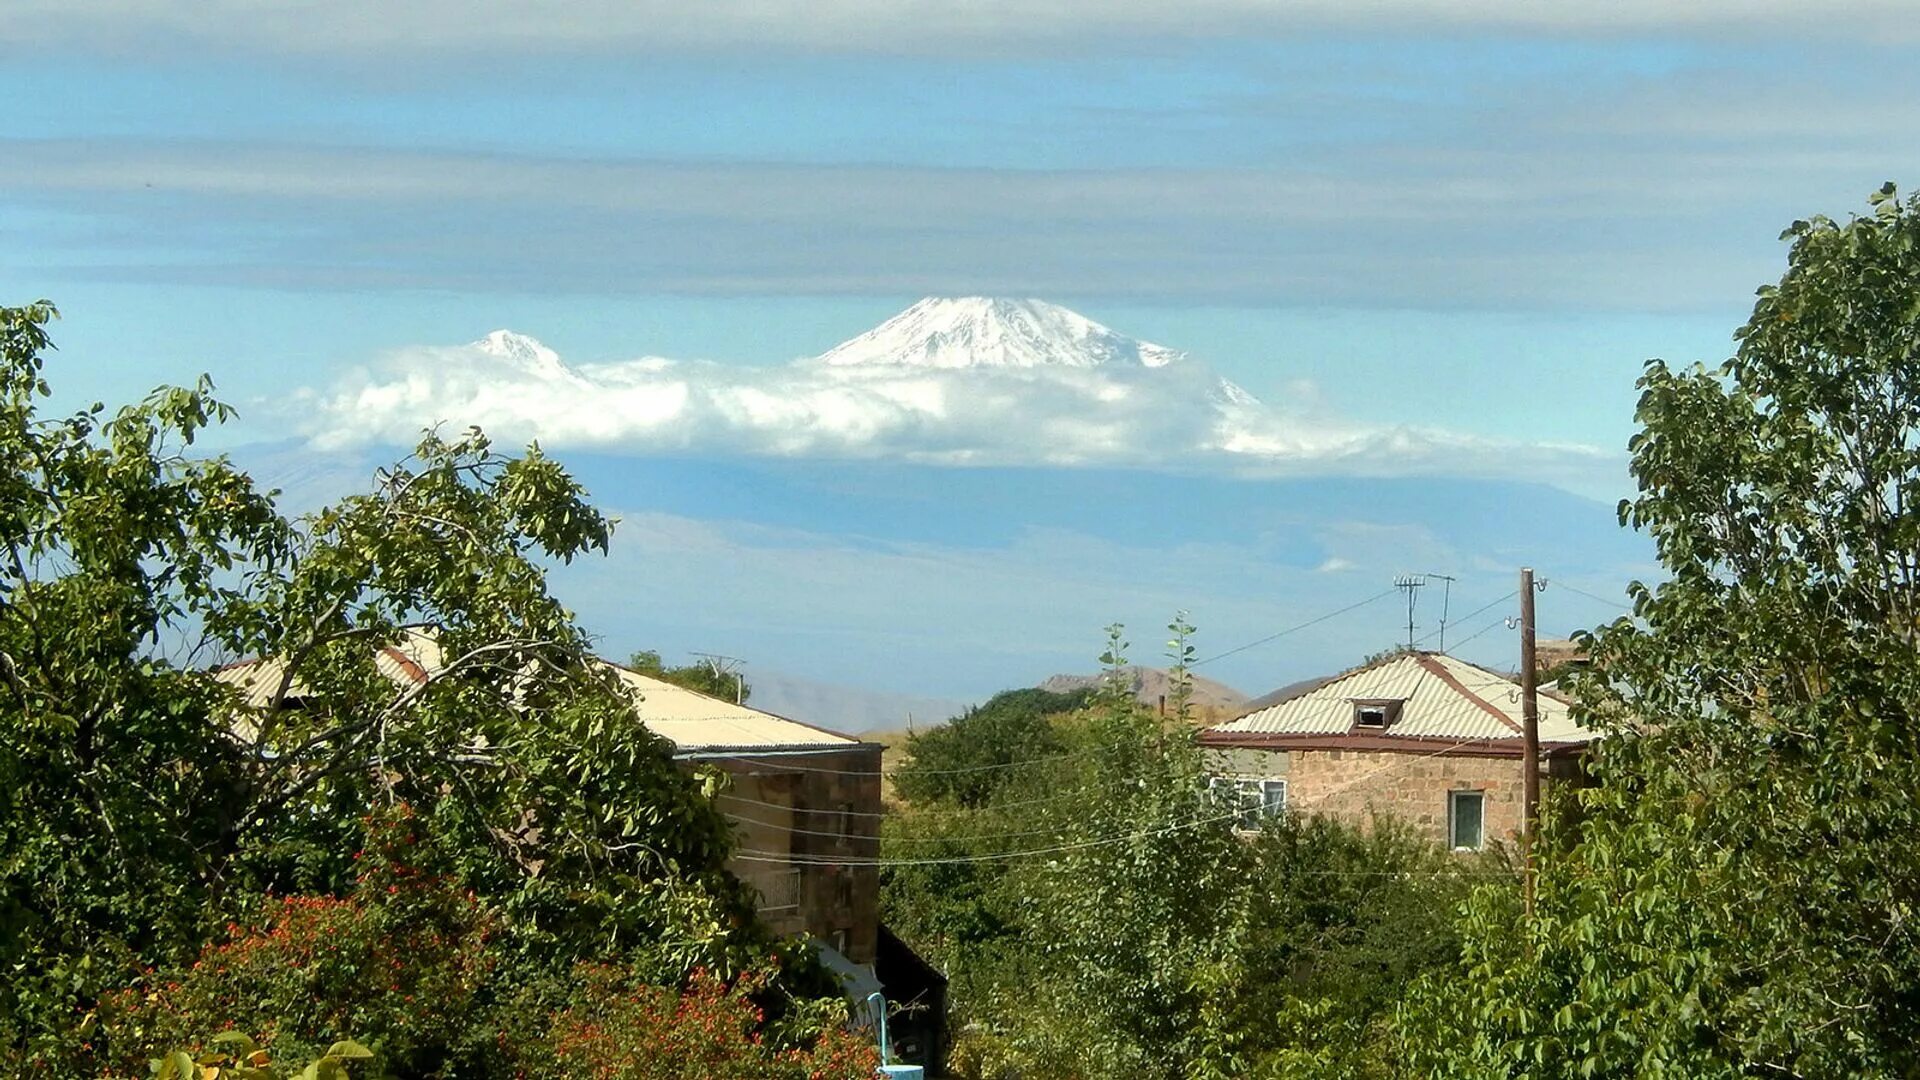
693 721
1441 697
690 720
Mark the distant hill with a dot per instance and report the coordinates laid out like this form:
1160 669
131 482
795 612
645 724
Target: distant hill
847 709
1151 685
1287 692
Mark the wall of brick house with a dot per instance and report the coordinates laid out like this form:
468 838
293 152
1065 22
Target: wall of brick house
1356 786
839 905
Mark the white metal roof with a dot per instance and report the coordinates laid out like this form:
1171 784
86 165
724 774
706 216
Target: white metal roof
1441 697
690 720
694 721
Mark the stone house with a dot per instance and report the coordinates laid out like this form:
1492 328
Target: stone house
805 801
1420 736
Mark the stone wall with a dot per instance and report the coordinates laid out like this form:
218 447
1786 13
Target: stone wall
827 804
1356 786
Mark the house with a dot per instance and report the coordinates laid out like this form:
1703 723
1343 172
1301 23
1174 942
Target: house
805 800
1420 736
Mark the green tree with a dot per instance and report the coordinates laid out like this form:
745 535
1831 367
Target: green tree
1100 916
1737 897
708 679
968 758
145 801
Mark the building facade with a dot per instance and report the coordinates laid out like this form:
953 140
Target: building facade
1424 738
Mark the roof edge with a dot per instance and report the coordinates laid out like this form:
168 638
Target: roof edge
1429 745
1440 671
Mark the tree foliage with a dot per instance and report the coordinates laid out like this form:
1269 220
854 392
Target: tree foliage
706 678
966 759
1737 898
1100 916
145 802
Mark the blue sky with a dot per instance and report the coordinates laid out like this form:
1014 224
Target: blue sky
1476 219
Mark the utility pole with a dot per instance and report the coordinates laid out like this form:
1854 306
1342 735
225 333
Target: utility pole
1529 738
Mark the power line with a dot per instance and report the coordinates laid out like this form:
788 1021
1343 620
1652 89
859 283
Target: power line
1497 622
919 772
1381 595
1323 709
755 855
1558 584
1075 794
971 769
1470 616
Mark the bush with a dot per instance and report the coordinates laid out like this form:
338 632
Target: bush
402 964
622 1030
419 970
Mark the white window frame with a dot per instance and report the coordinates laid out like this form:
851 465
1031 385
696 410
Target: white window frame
1453 820
1257 797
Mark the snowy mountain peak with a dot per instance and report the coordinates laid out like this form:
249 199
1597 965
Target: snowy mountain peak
521 351
984 331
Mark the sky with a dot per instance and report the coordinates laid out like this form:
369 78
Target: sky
1436 241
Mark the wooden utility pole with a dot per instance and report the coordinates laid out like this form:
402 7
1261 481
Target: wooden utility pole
1529 738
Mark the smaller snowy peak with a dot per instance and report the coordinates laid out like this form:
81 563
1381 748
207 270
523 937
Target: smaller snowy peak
1232 394
523 352
982 331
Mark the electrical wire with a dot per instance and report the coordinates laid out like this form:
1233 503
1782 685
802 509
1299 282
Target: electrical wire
1376 597
1075 794
756 855
1558 584
1468 617
973 769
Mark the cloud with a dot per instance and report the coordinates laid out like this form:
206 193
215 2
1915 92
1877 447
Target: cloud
1176 417
353 28
1558 225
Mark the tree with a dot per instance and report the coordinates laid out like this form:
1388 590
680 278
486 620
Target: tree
709 679
1100 916
144 801
1735 897
970 756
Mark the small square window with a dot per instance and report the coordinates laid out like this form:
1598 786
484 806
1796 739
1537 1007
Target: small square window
1466 820
1273 797
1375 715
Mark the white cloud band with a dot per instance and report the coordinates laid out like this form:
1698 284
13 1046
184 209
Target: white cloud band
1175 417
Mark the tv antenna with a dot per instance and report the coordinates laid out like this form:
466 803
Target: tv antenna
723 666
1412 583
1446 602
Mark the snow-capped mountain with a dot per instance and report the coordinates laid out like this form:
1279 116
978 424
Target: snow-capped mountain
523 352
984 331
957 381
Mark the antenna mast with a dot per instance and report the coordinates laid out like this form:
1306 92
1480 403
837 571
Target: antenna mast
1412 583
1446 604
723 666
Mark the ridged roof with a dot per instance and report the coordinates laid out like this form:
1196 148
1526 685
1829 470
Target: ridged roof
688 719
1441 698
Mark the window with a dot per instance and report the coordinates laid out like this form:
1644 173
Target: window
1255 799
844 825
1375 715
1466 820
